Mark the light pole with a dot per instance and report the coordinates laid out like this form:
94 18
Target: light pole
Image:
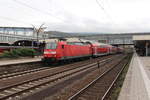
37 31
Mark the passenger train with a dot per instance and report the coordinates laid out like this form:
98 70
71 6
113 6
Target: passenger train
57 50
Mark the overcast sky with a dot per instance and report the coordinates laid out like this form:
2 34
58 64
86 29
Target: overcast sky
78 15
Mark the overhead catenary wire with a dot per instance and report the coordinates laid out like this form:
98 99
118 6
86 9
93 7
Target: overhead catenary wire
99 4
46 12
41 11
36 9
33 8
11 19
14 20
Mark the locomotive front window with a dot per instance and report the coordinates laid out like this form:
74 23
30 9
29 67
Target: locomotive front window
51 45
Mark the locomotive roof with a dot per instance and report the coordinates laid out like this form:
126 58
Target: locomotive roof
67 40
98 43
74 40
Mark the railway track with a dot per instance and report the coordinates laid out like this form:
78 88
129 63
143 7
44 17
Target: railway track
11 91
100 87
15 74
14 68
25 72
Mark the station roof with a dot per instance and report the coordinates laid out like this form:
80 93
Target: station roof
17 27
141 37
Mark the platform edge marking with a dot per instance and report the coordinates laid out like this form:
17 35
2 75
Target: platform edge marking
145 77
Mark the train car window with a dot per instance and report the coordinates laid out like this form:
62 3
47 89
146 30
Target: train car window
76 43
71 43
79 43
51 45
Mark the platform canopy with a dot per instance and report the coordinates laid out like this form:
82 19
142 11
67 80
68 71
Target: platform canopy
141 37
142 44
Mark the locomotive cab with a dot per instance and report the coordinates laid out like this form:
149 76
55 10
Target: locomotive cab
53 51
50 51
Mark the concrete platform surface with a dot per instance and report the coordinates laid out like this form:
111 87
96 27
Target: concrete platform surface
137 83
21 60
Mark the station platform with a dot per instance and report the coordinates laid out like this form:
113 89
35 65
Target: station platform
19 61
137 82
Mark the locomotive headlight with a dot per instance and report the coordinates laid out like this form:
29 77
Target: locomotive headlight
49 52
53 52
46 52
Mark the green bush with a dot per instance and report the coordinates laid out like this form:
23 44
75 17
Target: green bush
20 52
26 52
7 54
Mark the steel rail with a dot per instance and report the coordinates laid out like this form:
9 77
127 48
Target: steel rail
52 80
5 88
94 81
36 70
23 72
109 89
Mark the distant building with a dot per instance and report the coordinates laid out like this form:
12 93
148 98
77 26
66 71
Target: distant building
11 34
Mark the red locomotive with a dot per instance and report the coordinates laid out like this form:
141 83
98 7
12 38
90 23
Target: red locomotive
62 50
56 50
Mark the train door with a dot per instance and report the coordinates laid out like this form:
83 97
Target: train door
64 51
108 50
91 49
95 50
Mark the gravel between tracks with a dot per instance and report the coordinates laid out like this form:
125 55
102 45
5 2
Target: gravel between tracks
76 85
7 69
14 80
